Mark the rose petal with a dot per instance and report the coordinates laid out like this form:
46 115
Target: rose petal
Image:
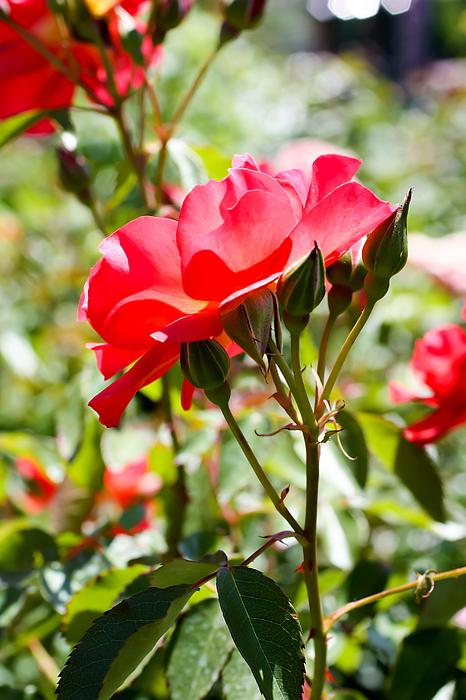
437 356
329 172
338 221
110 359
227 228
136 288
112 401
435 425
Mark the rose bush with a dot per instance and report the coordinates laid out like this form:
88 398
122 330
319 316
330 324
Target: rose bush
162 282
28 80
439 361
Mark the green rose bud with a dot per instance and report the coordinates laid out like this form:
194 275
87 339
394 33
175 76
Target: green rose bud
340 271
249 324
375 287
339 298
240 15
303 288
166 15
74 173
205 364
386 250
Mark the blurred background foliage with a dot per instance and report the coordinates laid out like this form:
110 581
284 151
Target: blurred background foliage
265 90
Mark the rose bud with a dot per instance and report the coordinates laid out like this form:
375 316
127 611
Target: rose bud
205 364
244 14
340 271
302 289
167 14
74 173
240 15
386 250
339 298
250 324
340 294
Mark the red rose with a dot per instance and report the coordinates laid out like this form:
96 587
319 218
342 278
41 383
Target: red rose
28 81
127 487
40 489
133 484
160 283
439 361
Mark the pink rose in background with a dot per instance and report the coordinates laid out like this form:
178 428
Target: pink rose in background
160 283
439 361
443 258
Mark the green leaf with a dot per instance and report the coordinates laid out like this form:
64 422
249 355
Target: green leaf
201 647
446 599
23 547
367 577
354 443
265 629
418 472
426 662
95 598
410 462
237 680
14 126
184 571
118 641
214 161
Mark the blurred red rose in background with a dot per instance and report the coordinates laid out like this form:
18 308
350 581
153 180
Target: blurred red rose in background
28 80
160 283
40 489
439 361
134 484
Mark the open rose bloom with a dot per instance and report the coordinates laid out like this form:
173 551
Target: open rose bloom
439 361
162 282
28 80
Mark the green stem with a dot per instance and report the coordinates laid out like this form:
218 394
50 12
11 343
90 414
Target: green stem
345 609
301 393
99 222
324 346
284 368
138 169
281 391
310 564
179 113
160 171
120 119
346 347
270 541
179 495
258 471
154 100
311 568
194 86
